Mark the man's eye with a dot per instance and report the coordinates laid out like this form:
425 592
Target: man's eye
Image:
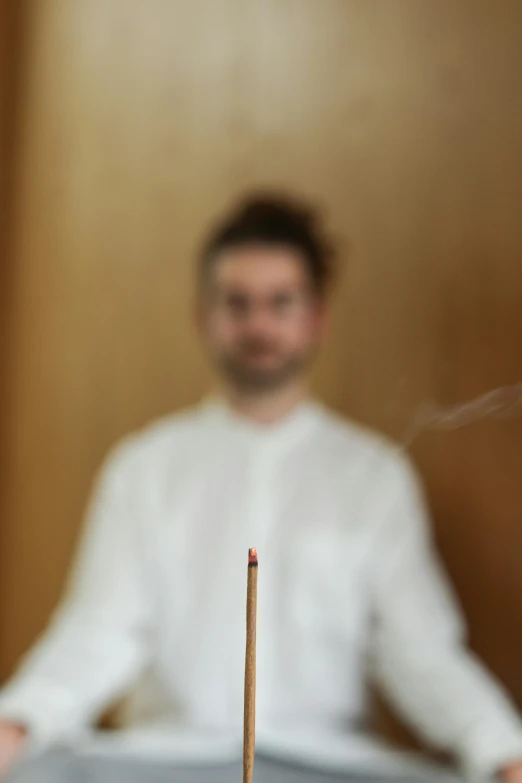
237 303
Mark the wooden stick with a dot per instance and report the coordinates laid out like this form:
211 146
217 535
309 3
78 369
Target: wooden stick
249 724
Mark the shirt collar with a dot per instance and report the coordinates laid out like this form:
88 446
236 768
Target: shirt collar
281 434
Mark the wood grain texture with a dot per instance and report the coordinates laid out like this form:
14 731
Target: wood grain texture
11 68
141 121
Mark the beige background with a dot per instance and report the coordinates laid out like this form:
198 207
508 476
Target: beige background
136 122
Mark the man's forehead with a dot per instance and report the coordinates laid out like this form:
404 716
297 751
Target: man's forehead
259 268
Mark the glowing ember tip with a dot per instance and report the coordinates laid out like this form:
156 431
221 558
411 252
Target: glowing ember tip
252 555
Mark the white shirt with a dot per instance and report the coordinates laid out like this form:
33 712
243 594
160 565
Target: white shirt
347 577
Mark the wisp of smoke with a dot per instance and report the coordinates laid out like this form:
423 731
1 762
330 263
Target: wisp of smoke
502 403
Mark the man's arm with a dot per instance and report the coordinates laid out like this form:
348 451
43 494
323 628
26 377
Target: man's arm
97 641
420 659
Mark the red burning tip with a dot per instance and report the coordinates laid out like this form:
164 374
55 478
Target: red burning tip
252 555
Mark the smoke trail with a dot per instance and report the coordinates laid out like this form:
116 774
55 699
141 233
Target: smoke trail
502 403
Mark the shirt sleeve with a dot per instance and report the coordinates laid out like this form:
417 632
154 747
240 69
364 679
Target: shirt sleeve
97 641
420 659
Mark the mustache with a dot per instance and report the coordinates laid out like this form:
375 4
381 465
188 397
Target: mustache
257 345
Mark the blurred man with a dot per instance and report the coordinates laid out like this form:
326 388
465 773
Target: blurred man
347 571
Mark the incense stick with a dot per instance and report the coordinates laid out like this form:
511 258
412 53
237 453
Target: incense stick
249 724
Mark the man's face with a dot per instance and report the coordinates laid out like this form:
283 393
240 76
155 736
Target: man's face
260 316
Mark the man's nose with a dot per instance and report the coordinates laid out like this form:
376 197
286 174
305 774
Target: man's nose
259 319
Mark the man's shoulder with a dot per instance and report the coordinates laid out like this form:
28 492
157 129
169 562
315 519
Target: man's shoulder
351 435
153 442
376 454
372 464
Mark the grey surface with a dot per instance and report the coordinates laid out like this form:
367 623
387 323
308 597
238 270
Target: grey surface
66 767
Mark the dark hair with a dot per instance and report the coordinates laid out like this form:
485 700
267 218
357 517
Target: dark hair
275 220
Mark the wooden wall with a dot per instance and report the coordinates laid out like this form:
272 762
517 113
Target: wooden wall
11 68
140 121
10 71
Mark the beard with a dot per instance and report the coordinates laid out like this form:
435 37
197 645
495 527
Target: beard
250 377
